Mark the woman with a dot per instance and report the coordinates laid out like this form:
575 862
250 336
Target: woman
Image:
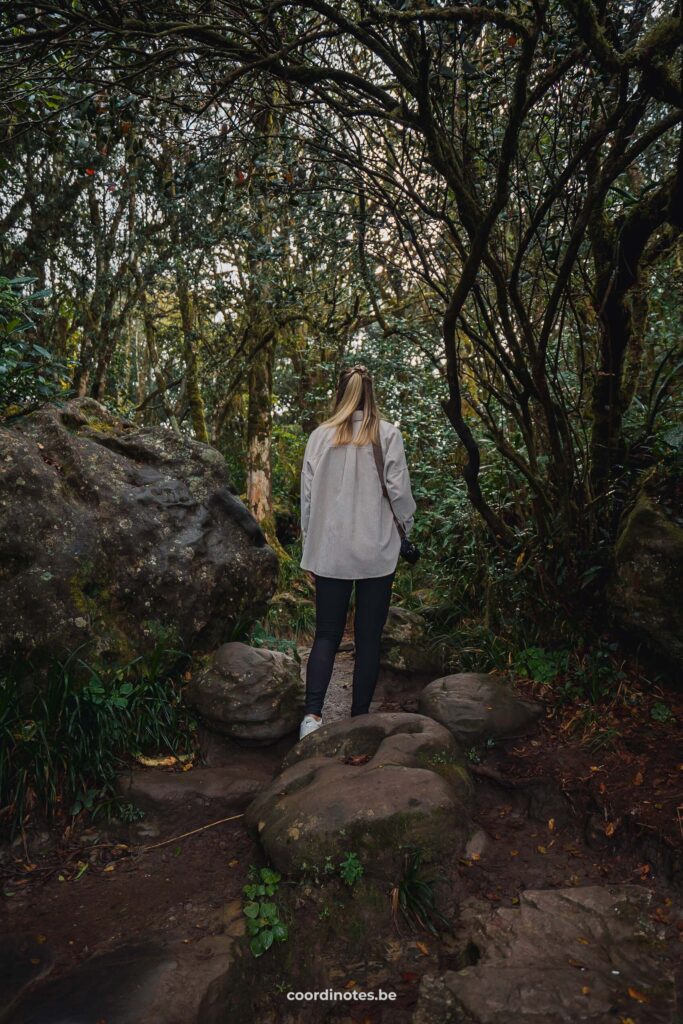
349 534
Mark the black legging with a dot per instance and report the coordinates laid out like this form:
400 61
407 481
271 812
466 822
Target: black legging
331 606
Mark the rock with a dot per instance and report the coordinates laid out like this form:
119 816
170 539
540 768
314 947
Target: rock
24 960
476 707
250 693
405 647
184 795
563 955
138 983
408 785
477 844
108 531
646 590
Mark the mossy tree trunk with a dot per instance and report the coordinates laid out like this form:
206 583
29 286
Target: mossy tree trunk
191 338
620 258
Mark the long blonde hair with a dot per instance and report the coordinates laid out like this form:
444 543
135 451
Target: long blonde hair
355 384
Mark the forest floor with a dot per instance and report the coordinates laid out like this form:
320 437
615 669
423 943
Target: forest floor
91 888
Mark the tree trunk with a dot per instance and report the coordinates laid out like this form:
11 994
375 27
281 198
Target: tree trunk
259 426
188 315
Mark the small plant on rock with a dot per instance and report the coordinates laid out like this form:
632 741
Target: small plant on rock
350 869
263 918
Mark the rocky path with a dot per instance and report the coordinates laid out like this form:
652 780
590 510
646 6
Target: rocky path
113 928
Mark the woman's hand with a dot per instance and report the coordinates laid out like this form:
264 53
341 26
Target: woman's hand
311 576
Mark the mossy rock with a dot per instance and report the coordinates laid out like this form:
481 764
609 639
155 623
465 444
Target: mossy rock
476 707
366 784
646 590
406 646
106 527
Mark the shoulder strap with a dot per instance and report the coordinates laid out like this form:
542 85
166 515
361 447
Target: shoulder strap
379 463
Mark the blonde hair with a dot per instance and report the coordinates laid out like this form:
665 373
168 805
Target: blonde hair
355 383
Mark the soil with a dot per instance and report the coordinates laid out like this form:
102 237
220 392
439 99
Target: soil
555 809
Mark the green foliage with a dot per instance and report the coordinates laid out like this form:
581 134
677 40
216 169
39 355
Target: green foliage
413 896
29 373
539 664
62 744
585 672
350 869
661 712
258 636
263 917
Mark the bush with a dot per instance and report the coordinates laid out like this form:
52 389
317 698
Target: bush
29 374
60 748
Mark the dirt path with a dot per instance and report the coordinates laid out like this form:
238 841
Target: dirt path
84 895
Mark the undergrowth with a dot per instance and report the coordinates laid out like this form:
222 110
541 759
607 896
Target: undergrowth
63 739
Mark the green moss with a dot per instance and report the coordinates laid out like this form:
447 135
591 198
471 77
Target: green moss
92 599
450 768
101 426
76 585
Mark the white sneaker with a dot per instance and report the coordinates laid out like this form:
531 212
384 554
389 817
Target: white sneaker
309 724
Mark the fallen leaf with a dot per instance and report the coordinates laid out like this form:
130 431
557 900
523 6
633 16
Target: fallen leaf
423 948
356 759
541 849
638 779
639 997
156 762
551 824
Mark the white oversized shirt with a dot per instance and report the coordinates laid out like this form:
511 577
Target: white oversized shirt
347 527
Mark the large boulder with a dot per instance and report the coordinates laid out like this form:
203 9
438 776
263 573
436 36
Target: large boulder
647 587
108 532
477 707
374 784
249 693
592 954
